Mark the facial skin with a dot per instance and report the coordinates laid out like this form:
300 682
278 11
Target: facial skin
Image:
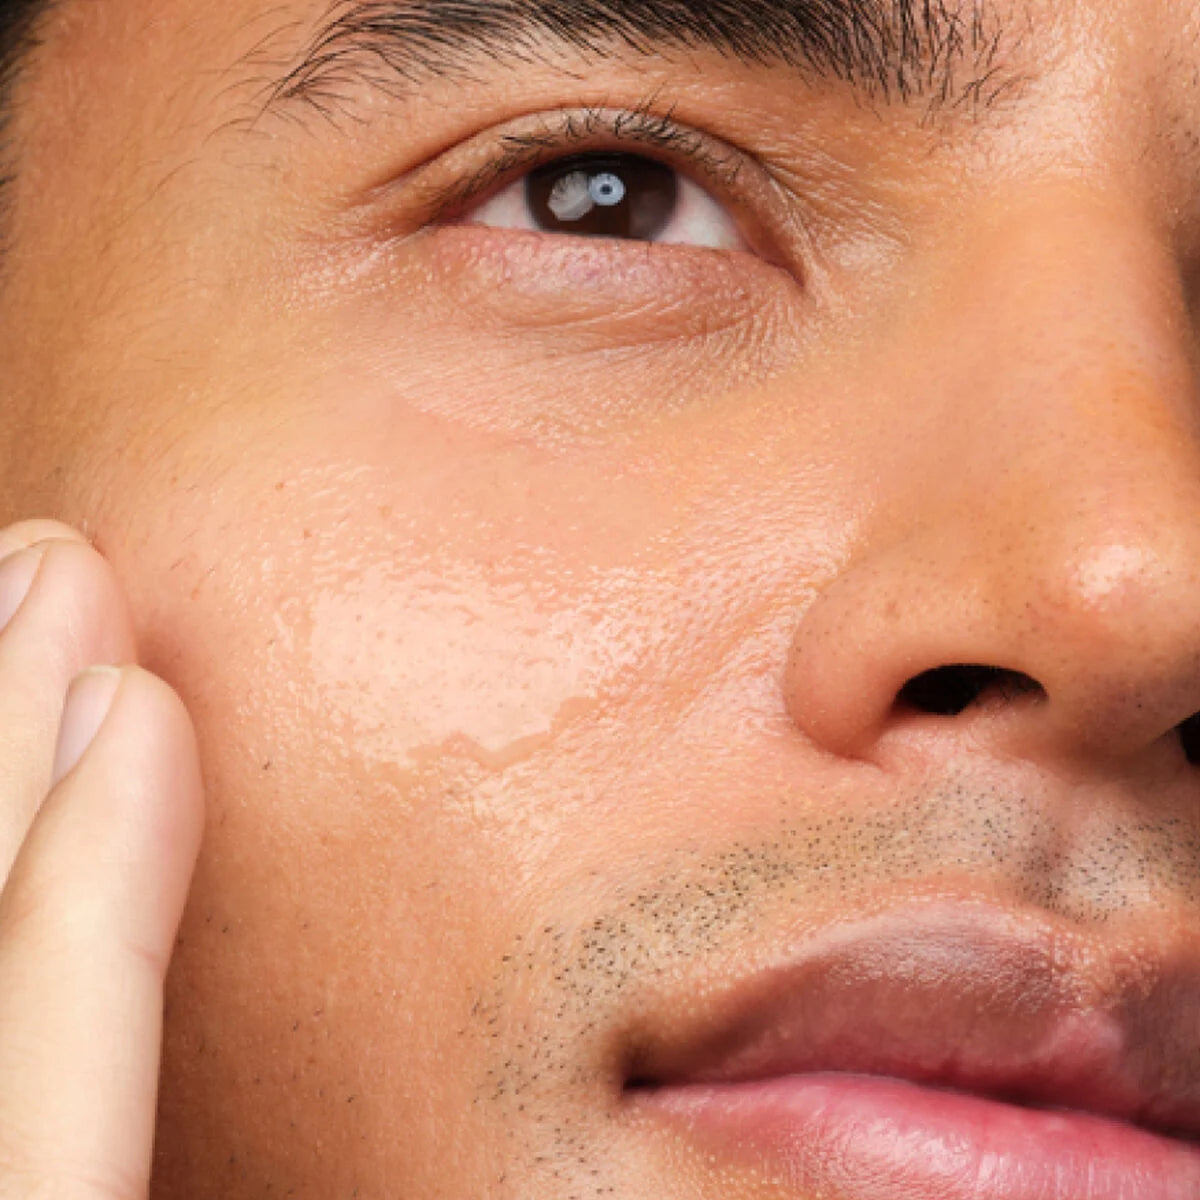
544 604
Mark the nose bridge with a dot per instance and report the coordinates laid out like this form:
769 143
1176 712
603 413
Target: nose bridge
1046 521
1070 323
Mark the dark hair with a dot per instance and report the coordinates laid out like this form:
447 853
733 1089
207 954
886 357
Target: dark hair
18 22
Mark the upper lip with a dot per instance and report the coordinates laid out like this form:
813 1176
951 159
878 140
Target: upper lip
957 995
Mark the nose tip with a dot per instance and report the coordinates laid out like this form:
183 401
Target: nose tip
1094 642
1118 648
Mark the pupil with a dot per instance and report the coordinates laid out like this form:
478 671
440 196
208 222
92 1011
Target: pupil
614 196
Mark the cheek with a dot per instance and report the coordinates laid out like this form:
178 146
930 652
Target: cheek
413 665
365 640
378 625
360 600
381 610
429 666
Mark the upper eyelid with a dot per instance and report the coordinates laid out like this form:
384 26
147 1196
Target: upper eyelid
555 134
441 189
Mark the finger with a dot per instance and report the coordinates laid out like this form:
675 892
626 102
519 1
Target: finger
28 533
87 924
66 612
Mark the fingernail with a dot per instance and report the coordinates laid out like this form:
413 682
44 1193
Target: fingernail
89 699
16 578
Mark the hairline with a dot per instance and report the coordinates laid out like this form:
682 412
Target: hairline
21 23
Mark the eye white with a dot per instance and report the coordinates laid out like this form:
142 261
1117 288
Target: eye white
698 220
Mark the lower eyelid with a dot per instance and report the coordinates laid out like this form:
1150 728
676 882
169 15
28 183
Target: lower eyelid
516 280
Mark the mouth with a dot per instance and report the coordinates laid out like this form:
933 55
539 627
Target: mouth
942 1050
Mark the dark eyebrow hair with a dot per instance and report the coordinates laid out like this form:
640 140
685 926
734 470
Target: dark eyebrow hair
909 50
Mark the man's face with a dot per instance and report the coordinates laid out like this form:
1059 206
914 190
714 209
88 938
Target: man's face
577 629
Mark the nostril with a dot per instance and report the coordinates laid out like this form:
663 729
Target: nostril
948 691
1189 736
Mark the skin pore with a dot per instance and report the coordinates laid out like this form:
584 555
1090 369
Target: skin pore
548 608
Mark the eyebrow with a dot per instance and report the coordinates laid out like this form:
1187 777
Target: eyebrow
906 50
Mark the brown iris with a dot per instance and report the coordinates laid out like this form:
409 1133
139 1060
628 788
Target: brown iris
613 195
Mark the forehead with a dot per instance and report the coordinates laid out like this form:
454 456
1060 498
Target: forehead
889 47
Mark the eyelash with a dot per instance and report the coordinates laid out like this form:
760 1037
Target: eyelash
562 134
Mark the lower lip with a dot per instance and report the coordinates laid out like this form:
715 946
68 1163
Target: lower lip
869 1138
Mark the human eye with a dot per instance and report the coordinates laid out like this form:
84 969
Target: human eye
612 195
616 175
611 226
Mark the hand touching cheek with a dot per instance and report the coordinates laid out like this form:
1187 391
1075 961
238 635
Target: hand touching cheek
100 823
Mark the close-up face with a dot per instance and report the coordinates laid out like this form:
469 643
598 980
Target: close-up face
677 524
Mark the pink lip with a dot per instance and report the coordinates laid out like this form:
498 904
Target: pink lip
944 1051
873 1138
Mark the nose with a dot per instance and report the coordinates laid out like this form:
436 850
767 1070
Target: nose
1032 568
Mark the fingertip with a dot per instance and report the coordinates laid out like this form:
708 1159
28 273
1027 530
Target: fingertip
149 743
23 534
135 781
89 700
